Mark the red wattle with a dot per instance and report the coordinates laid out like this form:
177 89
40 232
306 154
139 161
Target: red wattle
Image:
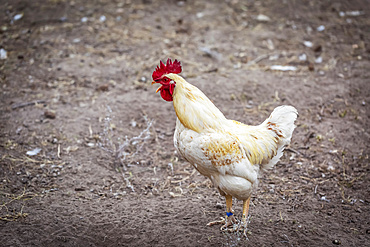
166 95
172 87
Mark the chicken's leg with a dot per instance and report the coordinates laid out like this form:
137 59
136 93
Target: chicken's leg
244 222
230 219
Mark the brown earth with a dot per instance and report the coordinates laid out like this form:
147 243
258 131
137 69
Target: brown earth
107 173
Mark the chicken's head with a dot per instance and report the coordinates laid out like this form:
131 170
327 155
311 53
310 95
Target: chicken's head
159 76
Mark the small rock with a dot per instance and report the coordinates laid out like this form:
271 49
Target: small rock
103 88
309 30
318 60
19 129
322 73
3 54
274 57
80 189
317 48
323 198
200 15
237 66
320 28
33 152
302 57
263 18
133 123
337 242
311 67
63 18
50 114
308 44
102 18
18 17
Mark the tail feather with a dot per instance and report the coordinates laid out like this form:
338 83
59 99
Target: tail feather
281 123
282 120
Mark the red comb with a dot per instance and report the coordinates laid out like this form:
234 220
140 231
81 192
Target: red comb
170 67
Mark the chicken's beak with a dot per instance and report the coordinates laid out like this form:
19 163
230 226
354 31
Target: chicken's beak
159 89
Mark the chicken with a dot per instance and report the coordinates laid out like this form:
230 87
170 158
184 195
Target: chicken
228 152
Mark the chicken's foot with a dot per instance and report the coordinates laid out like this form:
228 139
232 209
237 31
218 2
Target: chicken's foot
230 221
230 218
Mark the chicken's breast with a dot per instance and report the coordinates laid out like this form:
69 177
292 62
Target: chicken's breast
220 157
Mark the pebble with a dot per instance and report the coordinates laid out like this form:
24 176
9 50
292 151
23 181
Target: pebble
302 57
322 73
308 43
102 18
200 15
50 114
133 123
320 28
263 18
3 54
317 48
33 152
103 88
311 67
17 17
318 60
337 242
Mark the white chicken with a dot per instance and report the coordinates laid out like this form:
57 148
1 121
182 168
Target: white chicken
228 152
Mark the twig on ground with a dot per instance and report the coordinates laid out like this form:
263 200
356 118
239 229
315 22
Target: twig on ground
258 59
24 104
123 151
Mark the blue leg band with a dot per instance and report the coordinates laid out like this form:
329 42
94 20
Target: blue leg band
229 214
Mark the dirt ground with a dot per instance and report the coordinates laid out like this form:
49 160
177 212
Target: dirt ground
75 83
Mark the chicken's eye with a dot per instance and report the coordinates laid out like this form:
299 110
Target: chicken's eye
165 79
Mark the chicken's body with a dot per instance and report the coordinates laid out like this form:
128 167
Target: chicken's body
228 152
219 156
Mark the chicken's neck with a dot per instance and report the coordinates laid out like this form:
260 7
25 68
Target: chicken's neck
194 110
